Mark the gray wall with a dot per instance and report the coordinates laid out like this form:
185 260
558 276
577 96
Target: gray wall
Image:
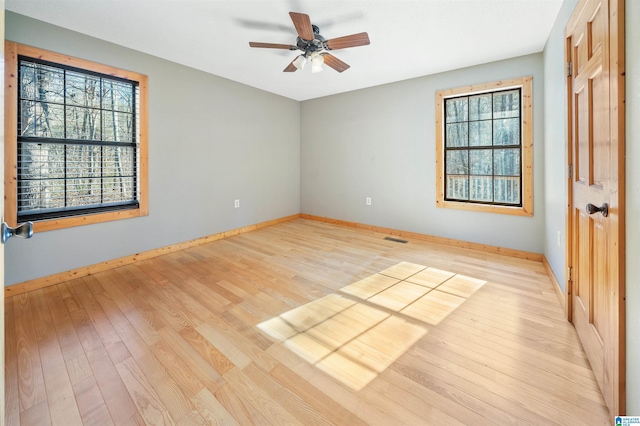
555 147
633 204
210 141
380 143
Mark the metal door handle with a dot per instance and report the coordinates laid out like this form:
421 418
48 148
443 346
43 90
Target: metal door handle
24 230
604 209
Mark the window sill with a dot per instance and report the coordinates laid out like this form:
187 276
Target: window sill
486 208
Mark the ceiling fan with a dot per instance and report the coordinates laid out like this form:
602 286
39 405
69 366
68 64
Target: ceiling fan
314 47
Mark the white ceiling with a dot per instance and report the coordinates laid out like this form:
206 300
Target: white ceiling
409 38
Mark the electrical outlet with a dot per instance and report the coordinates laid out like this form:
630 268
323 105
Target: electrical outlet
368 201
559 239
236 204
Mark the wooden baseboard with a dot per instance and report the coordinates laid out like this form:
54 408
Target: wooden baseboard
555 283
49 280
521 254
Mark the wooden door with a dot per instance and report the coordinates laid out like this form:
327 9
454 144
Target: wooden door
595 141
2 407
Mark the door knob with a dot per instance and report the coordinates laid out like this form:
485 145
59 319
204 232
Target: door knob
604 209
24 230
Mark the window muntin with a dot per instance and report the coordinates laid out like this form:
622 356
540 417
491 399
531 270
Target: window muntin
77 141
479 132
483 148
77 215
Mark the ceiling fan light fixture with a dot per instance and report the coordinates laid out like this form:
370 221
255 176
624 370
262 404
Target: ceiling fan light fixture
316 63
300 62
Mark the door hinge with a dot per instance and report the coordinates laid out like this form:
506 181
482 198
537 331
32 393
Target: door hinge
570 171
570 274
569 72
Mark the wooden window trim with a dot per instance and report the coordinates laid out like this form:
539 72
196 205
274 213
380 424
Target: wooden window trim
12 51
526 83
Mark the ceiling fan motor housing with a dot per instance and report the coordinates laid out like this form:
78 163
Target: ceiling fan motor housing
310 46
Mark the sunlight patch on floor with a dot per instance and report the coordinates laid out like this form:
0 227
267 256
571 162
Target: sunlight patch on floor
355 337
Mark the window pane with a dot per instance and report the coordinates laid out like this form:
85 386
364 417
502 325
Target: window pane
507 190
83 123
506 104
41 119
457 162
117 126
28 118
506 162
40 161
458 187
480 162
83 161
117 96
118 189
40 194
83 90
457 110
481 188
118 161
81 192
480 107
506 131
27 81
49 84
457 134
480 133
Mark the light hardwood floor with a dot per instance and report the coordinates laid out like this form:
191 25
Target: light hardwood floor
300 323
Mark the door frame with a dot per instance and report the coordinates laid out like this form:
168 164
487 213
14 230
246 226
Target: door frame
615 363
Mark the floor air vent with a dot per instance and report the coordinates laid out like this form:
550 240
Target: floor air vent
396 240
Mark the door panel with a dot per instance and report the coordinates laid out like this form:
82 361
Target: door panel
594 252
591 144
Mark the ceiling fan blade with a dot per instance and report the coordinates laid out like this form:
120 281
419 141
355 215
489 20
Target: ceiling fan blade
335 63
272 45
303 25
291 67
353 40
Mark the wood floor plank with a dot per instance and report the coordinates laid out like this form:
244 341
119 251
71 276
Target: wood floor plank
31 389
332 411
214 357
211 410
240 408
36 415
192 359
259 398
303 322
113 390
189 383
93 410
12 404
143 394
298 407
103 327
430 405
62 404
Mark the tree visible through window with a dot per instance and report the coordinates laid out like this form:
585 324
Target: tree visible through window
80 140
484 148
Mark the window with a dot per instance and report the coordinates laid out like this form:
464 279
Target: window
484 147
77 139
